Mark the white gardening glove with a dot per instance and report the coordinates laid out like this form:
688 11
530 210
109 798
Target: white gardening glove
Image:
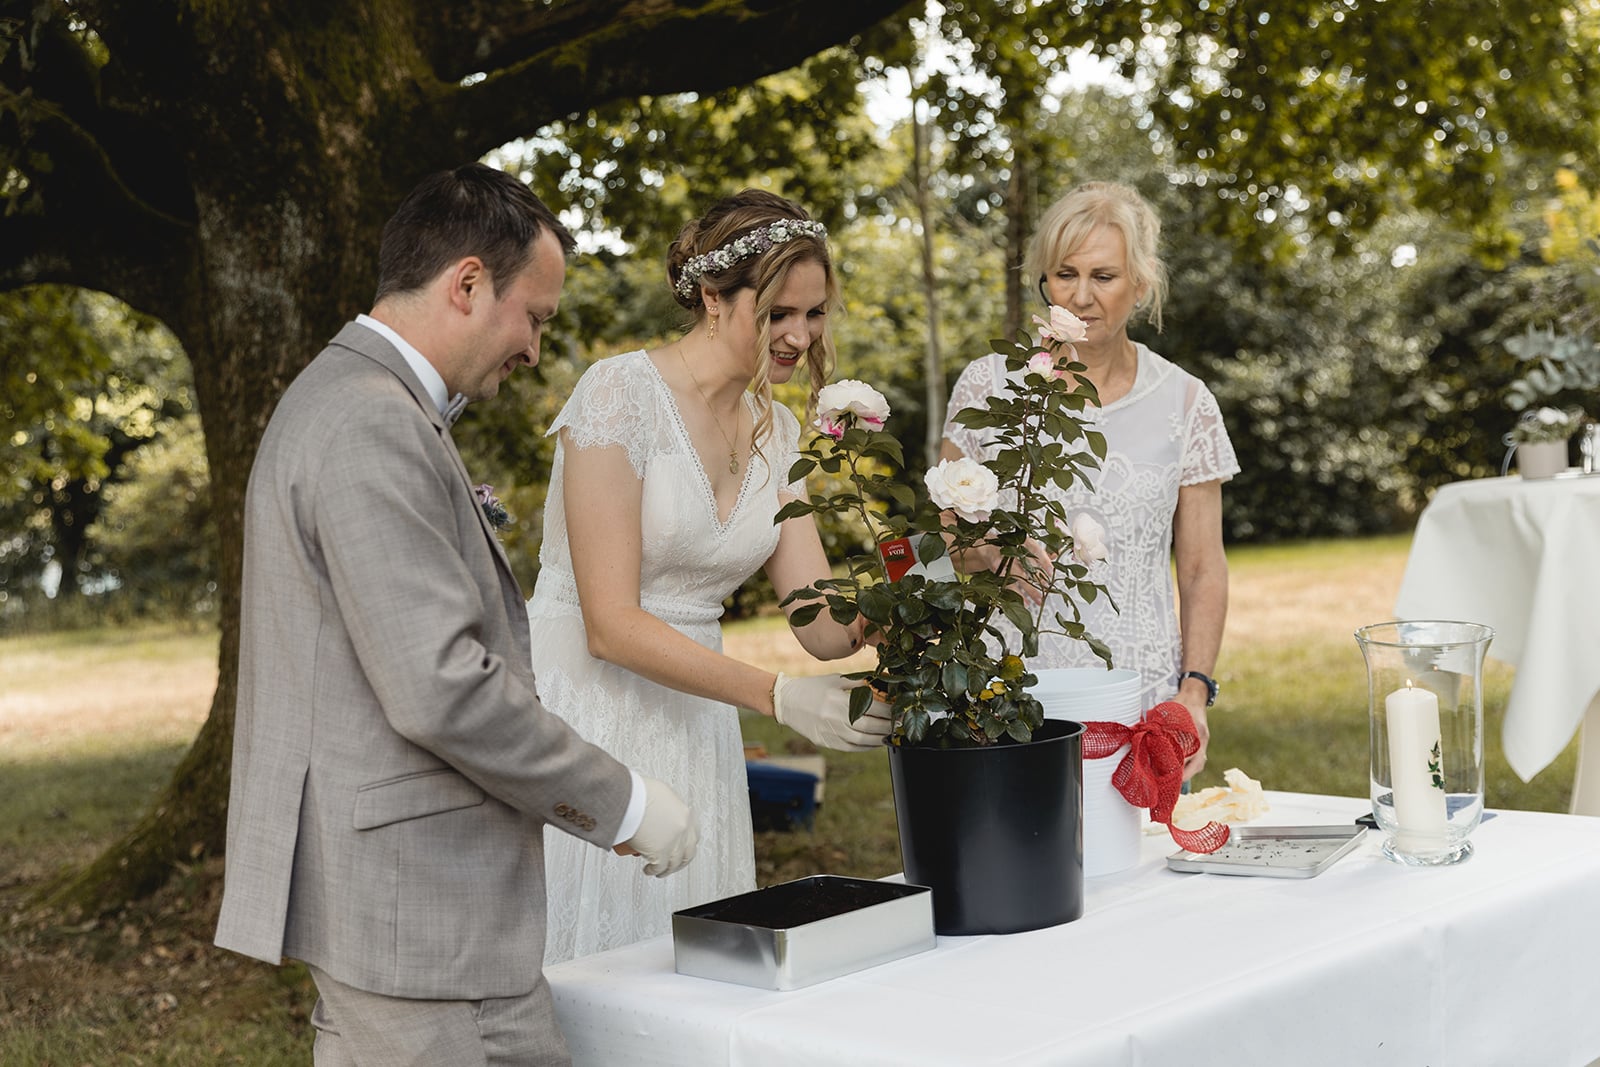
818 708
667 835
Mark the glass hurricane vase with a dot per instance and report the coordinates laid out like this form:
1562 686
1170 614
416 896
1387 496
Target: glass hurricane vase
1425 704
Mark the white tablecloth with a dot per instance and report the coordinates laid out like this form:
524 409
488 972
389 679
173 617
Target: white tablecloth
1488 962
1524 558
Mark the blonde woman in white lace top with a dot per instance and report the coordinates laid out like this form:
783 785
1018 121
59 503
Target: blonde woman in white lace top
670 468
1158 495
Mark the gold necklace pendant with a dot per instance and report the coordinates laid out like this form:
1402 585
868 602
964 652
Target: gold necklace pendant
733 447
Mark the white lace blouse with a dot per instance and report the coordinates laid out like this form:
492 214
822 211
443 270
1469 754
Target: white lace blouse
1166 433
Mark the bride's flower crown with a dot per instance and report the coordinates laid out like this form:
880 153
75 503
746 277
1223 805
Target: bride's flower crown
744 246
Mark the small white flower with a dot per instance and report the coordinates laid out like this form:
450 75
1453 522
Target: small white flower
853 400
964 486
1088 539
1063 326
1546 424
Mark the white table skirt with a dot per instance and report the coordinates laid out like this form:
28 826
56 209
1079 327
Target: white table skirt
1524 558
1370 963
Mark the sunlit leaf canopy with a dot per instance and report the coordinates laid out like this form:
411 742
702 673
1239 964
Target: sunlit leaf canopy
1334 108
1327 110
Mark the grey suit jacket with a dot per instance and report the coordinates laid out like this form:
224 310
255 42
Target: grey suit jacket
392 766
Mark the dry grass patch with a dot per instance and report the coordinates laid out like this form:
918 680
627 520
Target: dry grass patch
60 692
1320 591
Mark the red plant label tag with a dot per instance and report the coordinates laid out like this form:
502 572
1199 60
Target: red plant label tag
900 559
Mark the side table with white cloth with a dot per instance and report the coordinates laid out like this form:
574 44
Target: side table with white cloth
1489 962
1523 556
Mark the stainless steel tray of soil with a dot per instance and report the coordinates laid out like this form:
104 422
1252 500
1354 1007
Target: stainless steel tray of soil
802 932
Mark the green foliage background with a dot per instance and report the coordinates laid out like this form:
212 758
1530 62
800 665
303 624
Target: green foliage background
1355 330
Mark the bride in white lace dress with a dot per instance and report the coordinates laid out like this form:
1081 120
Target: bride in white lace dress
670 468
1158 495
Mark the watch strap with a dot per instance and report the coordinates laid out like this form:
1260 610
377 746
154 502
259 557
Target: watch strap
1209 682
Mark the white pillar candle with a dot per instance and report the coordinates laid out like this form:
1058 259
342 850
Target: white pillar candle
1416 768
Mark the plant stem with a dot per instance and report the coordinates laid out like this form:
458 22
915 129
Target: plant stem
873 527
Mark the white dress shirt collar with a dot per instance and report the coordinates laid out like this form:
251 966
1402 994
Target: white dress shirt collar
430 379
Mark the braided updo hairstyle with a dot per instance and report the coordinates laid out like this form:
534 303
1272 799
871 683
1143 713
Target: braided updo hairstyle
764 274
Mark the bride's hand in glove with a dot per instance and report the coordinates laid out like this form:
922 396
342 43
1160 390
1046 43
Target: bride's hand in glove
818 708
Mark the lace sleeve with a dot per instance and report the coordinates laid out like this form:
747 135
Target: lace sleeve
613 404
785 449
1207 452
980 380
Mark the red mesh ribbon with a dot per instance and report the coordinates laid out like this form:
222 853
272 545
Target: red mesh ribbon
1151 774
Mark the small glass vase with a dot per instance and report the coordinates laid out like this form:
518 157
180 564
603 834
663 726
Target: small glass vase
1425 701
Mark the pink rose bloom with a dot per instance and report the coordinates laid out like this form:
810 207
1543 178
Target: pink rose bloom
830 425
849 399
1043 364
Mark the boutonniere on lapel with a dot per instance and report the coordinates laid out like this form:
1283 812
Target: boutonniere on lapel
499 518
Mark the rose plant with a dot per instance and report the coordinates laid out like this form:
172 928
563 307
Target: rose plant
952 675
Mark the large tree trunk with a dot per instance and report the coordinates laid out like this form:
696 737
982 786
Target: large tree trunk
1019 220
273 277
228 170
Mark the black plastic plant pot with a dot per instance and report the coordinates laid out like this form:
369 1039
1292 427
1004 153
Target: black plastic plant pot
995 832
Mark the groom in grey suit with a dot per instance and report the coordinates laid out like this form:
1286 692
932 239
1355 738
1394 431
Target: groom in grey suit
393 768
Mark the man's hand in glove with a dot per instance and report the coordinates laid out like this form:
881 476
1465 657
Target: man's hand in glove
667 835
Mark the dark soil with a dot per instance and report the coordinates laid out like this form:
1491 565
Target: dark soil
802 901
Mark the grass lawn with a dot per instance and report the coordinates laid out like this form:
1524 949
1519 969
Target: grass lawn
92 723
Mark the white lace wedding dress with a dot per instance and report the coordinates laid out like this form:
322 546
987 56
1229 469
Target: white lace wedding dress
1166 433
692 560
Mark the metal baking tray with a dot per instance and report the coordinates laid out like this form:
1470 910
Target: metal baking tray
802 932
1273 851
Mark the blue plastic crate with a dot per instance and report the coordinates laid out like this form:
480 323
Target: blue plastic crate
781 798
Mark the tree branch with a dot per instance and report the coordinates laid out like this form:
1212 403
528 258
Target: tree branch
643 48
95 193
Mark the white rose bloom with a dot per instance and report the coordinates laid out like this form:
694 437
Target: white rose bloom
851 397
1088 540
1063 326
964 486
